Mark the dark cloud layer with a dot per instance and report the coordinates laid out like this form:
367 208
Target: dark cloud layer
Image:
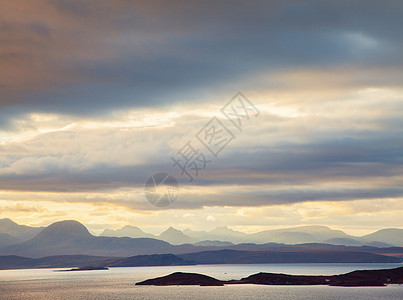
87 57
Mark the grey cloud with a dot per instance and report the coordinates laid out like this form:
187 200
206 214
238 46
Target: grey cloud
361 158
154 54
285 196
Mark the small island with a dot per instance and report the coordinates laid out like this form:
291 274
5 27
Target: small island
355 278
180 278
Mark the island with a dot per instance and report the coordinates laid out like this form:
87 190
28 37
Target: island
381 277
180 278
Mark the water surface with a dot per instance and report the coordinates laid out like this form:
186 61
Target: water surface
119 283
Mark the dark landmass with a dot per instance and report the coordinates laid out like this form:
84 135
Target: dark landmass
390 251
179 278
145 261
355 278
213 243
246 257
13 262
202 258
59 261
308 256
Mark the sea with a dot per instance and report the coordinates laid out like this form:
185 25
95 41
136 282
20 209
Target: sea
119 283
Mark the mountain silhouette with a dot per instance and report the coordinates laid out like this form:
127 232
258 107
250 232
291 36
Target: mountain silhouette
19 232
391 236
69 229
175 237
127 231
223 234
297 235
66 233
72 238
292 235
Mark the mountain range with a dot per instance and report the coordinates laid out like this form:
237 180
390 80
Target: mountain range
294 235
69 243
72 238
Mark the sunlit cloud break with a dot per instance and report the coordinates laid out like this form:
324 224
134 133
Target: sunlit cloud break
98 96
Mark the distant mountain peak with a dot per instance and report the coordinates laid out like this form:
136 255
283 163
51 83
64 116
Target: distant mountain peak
7 220
171 231
64 229
170 228
21 232
175 236
130 227
127 231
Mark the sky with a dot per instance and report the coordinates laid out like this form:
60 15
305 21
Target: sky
97 96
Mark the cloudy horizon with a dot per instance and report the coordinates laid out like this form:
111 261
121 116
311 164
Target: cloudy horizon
96 96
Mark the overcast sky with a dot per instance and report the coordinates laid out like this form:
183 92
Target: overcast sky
96 96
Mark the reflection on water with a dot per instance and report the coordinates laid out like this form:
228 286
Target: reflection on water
118 283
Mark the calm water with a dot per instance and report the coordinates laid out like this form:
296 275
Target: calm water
118 283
